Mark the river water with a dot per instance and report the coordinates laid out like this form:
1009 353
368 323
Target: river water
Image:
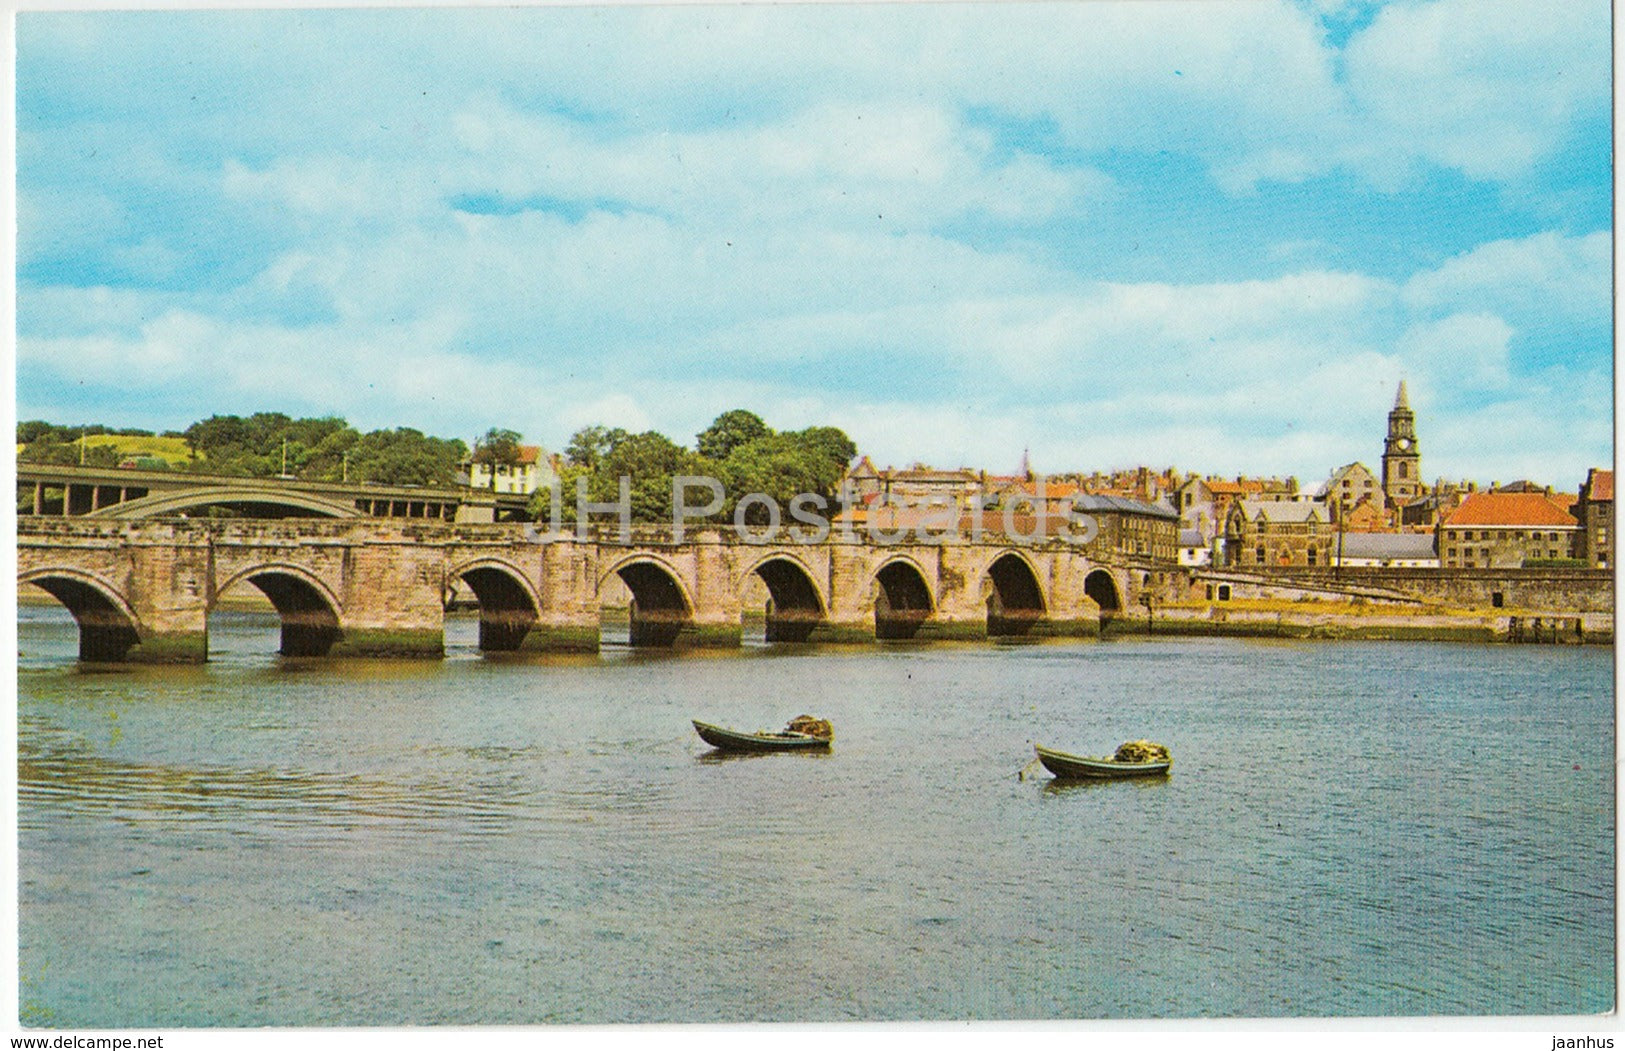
1350 829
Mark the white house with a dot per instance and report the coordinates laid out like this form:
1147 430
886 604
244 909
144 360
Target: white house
1194 548
531 473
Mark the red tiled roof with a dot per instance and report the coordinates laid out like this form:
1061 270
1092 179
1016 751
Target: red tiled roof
1052 490
1509 509
1602 485
1235 488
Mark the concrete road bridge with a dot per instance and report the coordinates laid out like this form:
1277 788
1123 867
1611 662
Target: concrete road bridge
57 490
142 590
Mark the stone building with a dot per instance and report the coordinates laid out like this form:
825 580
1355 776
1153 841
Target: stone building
1347 486
1594 509
1506 530
914 485
1133 527
1056 496
1194 502
1266 533
1366 516
1401 458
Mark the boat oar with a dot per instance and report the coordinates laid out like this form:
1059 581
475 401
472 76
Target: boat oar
1021 775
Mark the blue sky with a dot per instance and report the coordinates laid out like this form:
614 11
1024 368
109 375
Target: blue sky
1210 234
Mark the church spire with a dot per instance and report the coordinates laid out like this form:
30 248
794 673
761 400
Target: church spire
1399 399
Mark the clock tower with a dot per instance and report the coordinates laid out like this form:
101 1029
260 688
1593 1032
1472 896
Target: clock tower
1401 460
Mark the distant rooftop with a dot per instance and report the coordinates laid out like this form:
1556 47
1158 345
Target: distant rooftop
1122 505
1388 545
1509 509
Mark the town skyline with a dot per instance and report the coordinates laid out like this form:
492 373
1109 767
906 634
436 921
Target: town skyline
1218 233
1177 469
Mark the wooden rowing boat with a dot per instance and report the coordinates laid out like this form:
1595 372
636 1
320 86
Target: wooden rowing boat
1062 764
738 741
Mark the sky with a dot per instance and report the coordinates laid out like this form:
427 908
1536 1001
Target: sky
1214 235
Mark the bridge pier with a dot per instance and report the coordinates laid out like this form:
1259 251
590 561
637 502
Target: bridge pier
391 601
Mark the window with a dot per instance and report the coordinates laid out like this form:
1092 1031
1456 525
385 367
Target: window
1496 599
1452 552
1224 592
1311 556
1260 554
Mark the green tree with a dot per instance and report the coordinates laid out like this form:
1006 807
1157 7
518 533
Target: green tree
649 460
588 446
405 456
30 431
728 432
49 452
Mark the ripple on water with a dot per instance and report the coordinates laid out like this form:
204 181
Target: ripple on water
510 842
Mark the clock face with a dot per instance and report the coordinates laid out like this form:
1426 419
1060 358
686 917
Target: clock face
1404 443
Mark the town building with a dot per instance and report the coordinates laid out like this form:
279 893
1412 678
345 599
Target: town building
1366 516
1194 502
914 485
1347 486
1404 550
1506 530
1195 548
1594 510
531 471
1425 512
1270 533
1133 527
1401 457
1056 496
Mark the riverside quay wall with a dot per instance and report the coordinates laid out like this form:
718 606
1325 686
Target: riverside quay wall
1562 605
142 590
1561 590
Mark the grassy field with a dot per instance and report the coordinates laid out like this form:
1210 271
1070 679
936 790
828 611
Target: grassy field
172 449
125 445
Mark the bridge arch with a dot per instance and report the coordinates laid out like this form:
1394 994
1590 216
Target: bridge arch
661 606
509 603
797 606
1015 598
1102 587
308 609
169 503
903 599
107 624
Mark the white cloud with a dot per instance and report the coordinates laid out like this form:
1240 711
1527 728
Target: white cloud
1546 273
1467 350
1489 87
869 214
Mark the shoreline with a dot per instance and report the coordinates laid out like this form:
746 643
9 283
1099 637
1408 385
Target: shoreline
1497 627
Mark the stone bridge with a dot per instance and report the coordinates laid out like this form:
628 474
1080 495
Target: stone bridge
142 590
